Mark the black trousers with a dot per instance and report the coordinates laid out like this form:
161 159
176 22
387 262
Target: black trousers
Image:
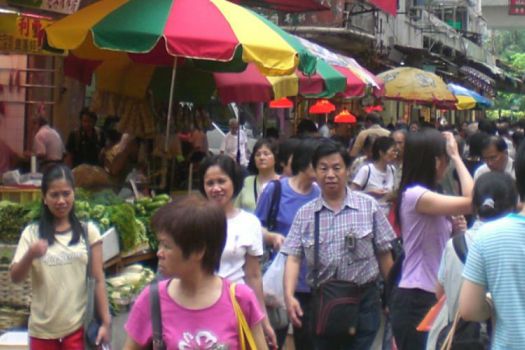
304 337
408 307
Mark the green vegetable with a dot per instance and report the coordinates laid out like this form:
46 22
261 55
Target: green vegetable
123 218
12 221
163 197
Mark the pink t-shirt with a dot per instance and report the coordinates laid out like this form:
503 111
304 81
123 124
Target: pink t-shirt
214 327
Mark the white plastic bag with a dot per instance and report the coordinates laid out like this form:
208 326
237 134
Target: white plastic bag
273 282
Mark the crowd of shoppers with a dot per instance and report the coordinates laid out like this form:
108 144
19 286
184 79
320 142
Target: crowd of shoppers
332 211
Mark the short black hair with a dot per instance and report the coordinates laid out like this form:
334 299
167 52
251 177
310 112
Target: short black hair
302 154
373 118
381 144
497 141
286 149
230 167
475 143
306 127
328 147
195 225
92 115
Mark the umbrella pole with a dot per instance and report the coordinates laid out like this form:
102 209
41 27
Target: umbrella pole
168 123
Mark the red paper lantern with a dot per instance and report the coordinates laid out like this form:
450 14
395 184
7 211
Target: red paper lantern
345 117
281 103
321 107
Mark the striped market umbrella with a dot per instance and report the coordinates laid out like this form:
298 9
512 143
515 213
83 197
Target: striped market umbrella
213 33
468 99
203 30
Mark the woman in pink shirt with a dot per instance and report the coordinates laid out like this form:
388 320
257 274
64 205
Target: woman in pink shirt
196 308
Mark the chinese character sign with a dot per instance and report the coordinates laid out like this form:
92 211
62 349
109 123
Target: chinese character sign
21 33
517 7
60 6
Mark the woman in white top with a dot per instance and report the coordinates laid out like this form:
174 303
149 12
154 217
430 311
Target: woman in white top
495 195
378 178
221 181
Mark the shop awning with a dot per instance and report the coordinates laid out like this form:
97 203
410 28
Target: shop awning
478 79
286 5
388 6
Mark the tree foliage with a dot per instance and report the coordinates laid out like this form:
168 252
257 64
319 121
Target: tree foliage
509 45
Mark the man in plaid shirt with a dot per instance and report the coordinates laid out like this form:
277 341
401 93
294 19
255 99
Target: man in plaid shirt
354 245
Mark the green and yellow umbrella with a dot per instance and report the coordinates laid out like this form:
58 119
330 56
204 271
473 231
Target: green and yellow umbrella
202 30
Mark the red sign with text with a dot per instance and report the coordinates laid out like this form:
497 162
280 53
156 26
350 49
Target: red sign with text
517 7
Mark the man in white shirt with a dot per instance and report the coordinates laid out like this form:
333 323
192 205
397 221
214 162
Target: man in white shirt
494 153
234 147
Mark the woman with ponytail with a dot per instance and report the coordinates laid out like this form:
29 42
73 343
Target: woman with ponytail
495 195
54 252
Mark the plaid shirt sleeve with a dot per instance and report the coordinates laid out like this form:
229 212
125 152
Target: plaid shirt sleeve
293 243
383 232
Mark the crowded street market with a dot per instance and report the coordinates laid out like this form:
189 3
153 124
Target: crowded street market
262 174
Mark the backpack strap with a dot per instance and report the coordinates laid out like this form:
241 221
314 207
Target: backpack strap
156 320
460 247
271 219
367 177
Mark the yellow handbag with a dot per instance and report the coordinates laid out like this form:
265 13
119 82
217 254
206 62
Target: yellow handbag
245 333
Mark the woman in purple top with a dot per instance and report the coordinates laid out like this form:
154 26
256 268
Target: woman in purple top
424 217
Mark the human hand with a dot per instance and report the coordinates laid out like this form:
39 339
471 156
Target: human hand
459 223
269 334
276 241
104 335
295 313
38 249
452 145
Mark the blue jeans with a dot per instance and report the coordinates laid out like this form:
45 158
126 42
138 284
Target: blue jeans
367 327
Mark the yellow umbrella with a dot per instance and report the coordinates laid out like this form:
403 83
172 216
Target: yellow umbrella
465 102
415 85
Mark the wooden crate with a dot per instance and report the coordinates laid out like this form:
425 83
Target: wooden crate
13 318
19 195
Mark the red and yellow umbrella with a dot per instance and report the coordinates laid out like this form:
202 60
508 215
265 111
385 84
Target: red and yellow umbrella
204 30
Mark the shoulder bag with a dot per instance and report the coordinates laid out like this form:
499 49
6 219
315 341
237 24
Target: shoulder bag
91 321
335 302
156 319
245 333
461 334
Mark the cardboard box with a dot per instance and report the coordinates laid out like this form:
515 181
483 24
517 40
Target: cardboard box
110 244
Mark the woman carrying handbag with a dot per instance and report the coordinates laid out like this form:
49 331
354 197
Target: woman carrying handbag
198 309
